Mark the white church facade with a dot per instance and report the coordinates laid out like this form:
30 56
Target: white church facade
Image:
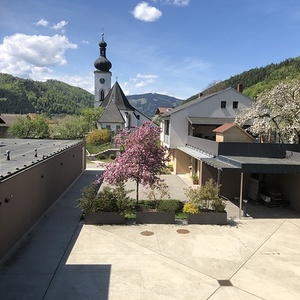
118 112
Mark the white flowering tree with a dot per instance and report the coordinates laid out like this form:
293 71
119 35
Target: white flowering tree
275 113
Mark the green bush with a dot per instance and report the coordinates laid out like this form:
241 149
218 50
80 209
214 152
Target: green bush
87 203
170 205
101 156
112 156
107 200
98 137
161 205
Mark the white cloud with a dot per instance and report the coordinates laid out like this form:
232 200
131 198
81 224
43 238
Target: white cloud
85 42
144 12
58 26
32 56
42 22
149 77
174 2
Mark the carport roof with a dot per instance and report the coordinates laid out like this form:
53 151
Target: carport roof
196 153
255 164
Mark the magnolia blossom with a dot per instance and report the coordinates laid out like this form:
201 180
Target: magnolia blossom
141 158
276 113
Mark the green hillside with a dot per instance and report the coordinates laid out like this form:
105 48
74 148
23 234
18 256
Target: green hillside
19 95
259 80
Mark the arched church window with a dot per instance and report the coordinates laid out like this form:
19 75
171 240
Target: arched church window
101 95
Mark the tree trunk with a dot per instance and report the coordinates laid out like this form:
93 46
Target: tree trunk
137 193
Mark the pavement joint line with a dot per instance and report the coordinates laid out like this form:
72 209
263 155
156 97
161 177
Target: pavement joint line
246 261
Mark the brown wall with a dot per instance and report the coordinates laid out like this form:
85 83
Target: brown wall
32 191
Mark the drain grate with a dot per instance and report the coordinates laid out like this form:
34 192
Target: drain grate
225 282
183 231
147 233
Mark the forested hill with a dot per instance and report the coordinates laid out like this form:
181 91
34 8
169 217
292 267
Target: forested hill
23 96
259 80
148 103
19 95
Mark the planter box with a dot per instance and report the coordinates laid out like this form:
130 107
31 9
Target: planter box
208 217
155 217
99 218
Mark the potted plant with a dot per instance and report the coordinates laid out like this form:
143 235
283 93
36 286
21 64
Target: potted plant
195 178
158 209
205 206
108 206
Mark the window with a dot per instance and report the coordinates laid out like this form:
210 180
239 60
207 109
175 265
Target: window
167 127
223 104
108 127
235 104
101 95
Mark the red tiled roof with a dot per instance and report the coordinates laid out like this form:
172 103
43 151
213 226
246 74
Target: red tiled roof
224 127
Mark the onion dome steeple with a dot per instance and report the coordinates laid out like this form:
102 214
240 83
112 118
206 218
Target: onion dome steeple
102 63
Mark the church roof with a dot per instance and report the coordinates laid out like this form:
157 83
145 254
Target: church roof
117 97
111 114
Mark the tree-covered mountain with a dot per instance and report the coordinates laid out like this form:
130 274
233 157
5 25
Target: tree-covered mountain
18 95
21 96
258 80
148 103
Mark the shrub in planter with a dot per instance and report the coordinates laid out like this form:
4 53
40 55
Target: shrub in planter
205 206
96 206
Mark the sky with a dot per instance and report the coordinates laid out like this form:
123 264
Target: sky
172 47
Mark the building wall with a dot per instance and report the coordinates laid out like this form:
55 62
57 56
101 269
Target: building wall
209 107
32 192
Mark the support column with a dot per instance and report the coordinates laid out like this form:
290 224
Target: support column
241 195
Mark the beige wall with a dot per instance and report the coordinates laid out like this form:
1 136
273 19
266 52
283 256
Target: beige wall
32 191
234 135
182 161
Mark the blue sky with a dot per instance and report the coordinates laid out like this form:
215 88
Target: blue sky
173 47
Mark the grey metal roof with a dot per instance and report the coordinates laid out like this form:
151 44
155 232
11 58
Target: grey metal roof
255 164
196 153
22 154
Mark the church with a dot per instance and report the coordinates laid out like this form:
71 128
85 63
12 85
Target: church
118 112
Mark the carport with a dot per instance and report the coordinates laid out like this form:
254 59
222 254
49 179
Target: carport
285 171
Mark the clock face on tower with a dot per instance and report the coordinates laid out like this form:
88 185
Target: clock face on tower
102 80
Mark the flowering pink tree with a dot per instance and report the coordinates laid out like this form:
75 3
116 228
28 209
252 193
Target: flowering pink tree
141 159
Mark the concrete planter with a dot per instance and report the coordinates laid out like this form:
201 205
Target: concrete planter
155 217
101 218
208 217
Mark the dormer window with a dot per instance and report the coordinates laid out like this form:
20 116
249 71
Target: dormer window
235 104
223 104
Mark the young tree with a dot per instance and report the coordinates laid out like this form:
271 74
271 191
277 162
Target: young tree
36 128
141 160
276 112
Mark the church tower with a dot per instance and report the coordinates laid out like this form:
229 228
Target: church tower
102 74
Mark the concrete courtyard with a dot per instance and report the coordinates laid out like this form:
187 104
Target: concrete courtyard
254 258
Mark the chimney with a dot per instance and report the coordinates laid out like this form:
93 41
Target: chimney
240 87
